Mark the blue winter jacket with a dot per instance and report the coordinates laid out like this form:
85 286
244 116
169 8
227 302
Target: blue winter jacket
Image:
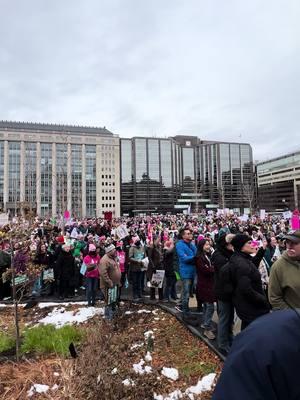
186 253
264 360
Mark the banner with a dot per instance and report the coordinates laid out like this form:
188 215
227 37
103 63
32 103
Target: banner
295 224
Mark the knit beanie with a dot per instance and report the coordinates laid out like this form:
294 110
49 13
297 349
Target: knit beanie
239 240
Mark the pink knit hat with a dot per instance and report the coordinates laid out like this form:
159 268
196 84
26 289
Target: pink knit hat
92 247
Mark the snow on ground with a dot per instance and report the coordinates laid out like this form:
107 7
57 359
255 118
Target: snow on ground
140 369
128 382
59 317
136 346
148 357
37 388
171 373
49 304
149 334
205 384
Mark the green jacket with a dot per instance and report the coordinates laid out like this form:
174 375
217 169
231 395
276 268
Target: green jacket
284 284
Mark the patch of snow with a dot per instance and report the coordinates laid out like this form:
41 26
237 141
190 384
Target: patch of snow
156 319
114 371
139 368
155 311
148 357
136 346
55 373
54 387
128 312
203 385
98 378
144 312
70 303
37 388
176 395
148 334
128 382
171 373
59 317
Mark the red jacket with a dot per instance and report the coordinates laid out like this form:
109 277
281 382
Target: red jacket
205 280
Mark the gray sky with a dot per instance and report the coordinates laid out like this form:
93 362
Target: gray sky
223 70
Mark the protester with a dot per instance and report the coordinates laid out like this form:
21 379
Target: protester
110 278
264 361
248 296
170 294
205 285
65 266
155 254
284 284
91 261
186 252
136 255
220 257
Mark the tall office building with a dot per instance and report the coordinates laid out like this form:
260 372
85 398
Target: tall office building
278 182
53 168
184 173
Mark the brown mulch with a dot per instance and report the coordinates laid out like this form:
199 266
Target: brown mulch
108 346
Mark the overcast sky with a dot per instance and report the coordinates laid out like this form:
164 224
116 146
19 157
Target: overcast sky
219 69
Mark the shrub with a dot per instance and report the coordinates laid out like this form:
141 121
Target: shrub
7 342
47 339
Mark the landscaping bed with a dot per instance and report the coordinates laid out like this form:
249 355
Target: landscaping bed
144 354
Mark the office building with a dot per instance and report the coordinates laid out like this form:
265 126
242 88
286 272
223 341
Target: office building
184 173
49 169
278 182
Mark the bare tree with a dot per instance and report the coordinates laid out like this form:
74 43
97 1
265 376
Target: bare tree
249 194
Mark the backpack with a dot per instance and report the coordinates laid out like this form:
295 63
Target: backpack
226 280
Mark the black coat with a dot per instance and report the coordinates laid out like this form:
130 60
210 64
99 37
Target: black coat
168 256
219 258
65 265
248 298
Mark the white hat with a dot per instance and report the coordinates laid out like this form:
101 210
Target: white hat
109 248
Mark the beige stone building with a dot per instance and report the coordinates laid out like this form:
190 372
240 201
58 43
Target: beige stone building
53 168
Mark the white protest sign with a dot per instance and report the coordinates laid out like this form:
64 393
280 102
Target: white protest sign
262 214
158 278
3 219
121 231
287 215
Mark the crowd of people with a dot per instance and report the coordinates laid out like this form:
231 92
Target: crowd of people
229 265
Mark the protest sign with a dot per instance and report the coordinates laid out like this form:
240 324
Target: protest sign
112 296
295 223
158 278
262 214
121 231
3 219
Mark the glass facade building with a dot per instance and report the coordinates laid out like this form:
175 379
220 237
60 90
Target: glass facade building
183 172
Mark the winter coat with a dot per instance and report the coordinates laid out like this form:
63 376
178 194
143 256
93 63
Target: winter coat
219 258
65 265
92 262
248 298
205 279
110 273
136 255
186 256
264 360
155 256
168 260
284 283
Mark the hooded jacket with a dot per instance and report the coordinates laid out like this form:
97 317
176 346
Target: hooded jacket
219 258
284 283
264 360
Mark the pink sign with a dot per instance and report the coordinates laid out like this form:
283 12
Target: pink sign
67 214
295 223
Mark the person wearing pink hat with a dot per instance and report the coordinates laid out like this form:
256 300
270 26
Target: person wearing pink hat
92 261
